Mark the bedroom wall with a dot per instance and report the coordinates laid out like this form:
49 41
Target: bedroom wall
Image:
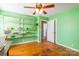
68 28
14 20
9 20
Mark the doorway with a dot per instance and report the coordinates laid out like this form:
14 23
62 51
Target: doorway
48 31
44 30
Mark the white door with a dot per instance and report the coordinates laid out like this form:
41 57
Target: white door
50 31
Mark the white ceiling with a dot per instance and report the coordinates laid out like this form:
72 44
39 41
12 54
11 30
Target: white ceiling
19 8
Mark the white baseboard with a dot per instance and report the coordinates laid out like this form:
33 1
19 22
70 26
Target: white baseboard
25 42
68 47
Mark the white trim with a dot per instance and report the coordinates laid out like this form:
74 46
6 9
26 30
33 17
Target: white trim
56 30
38 33
68 47
25 42
55 20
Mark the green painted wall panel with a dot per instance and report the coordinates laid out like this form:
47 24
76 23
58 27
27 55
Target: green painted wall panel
16 20
68 28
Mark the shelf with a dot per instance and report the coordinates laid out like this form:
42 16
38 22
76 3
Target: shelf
26 33
29 30
23 37
23 33
24 29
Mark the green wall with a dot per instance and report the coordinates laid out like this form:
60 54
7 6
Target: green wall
9 20
68 28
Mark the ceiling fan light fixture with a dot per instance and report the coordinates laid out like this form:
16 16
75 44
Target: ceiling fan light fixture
37 10
34 12
40 8
41 11
44 12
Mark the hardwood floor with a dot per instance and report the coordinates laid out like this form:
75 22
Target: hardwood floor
44 48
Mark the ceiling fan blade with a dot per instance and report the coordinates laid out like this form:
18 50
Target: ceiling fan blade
48 6
28 7
34 12
44 12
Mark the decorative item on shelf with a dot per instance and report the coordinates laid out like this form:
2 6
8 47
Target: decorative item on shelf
13 36
28 28
36 24
29 33
20 28
8 30
15 33
12 28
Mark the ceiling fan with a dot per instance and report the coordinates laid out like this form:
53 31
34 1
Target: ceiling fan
40 8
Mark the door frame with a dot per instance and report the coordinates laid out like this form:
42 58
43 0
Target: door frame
55 30
42 22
